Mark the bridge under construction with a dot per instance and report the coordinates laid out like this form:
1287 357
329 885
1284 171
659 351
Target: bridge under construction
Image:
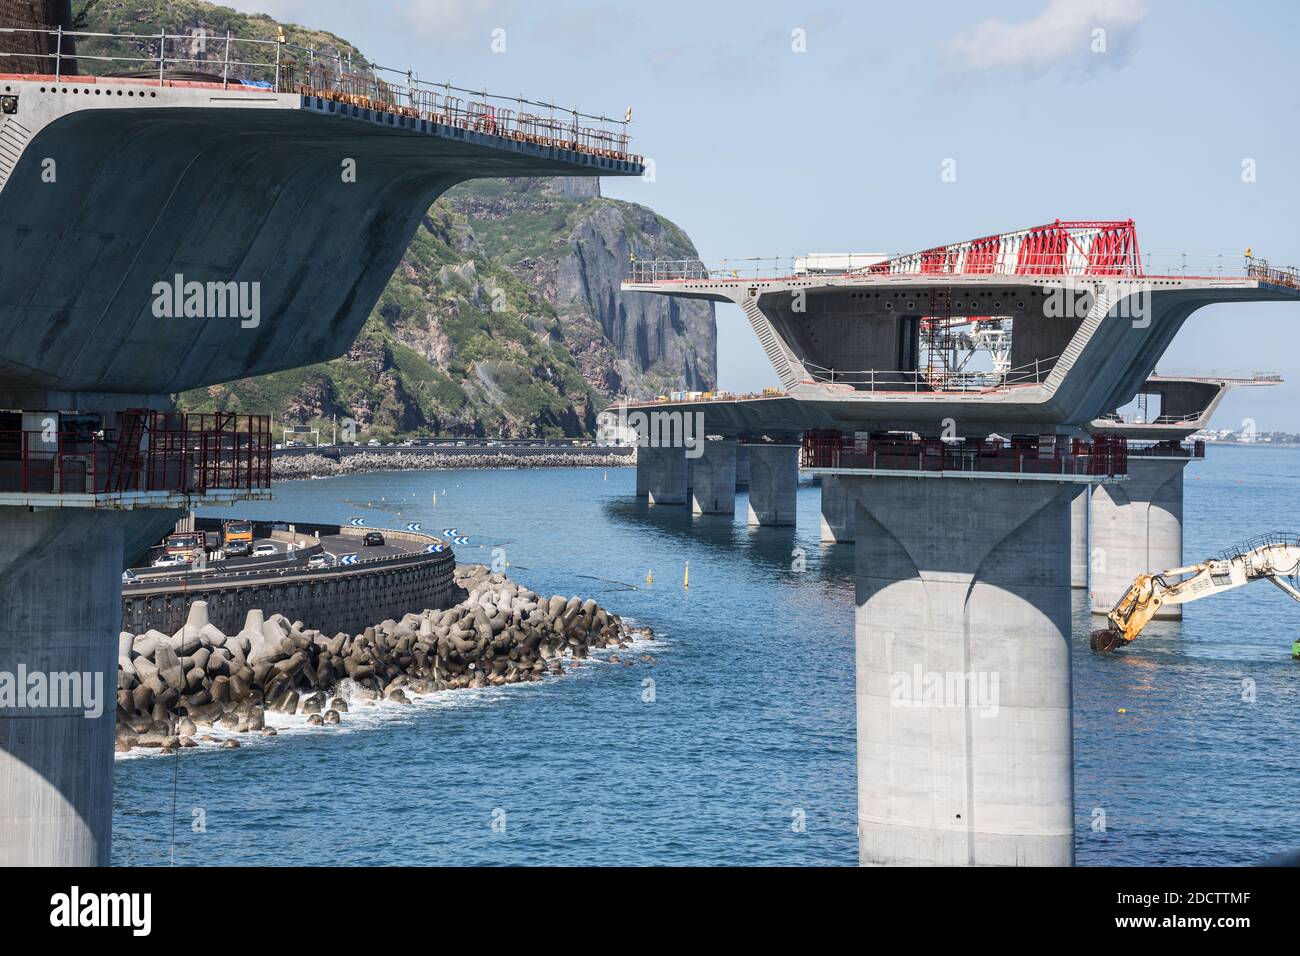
956 402
189 220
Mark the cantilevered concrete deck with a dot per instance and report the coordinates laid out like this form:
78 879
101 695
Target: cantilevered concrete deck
226 185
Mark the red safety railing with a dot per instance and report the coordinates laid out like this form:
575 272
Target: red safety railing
151 452
1104 456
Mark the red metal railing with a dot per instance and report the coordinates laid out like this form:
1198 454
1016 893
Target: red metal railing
1104 456
152 451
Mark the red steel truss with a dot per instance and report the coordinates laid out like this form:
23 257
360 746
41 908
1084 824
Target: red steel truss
1083 247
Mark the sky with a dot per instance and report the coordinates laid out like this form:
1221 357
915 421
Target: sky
777 129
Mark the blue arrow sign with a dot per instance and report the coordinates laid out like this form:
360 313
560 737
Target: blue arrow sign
450 532
412 526
461 540
357 522
435 548
348 558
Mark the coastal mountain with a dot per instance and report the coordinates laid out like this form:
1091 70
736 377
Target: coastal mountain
504 317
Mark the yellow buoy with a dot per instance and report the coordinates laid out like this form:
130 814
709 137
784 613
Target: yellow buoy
650 577
1123 710
686 581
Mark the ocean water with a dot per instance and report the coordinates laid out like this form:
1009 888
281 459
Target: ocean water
735 743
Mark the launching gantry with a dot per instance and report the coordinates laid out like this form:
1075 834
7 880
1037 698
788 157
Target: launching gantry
958 481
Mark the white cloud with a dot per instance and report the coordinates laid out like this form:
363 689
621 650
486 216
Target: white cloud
1062 33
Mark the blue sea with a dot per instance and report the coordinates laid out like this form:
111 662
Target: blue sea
734 743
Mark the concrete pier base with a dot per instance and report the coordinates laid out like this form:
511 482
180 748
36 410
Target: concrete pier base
60 613
1079 547
713 479
1137 527
965 743
837 512
665 474
773 484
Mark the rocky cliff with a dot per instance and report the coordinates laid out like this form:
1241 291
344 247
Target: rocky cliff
504 318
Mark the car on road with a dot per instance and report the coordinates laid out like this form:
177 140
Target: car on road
130 577
171 561
372 539
265 551
320 561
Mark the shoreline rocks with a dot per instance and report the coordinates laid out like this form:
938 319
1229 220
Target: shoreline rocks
173 688
285 468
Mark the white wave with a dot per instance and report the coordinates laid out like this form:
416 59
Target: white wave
365 715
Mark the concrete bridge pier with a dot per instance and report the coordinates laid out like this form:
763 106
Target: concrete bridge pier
60 614
665 474
742 467
713 479
1137 527
1080 551
642 474
964 736
837 511
773 484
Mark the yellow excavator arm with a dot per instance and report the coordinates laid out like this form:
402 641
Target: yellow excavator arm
1272 557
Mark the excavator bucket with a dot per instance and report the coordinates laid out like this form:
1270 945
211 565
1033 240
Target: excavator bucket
1105 640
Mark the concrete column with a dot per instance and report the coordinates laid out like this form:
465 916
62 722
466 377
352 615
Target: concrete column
1079 549
665 474
60 614
1137 527
713 488
965 743
837 512
742 467
773 484
642 474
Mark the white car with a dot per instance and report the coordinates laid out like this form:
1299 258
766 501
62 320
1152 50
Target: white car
170 561
319 561
265 551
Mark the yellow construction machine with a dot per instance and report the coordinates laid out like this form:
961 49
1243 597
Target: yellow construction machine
1273 557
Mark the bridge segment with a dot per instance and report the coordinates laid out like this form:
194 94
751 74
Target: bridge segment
961 480
164 232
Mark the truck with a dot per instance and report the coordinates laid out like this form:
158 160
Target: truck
186 545
237 536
